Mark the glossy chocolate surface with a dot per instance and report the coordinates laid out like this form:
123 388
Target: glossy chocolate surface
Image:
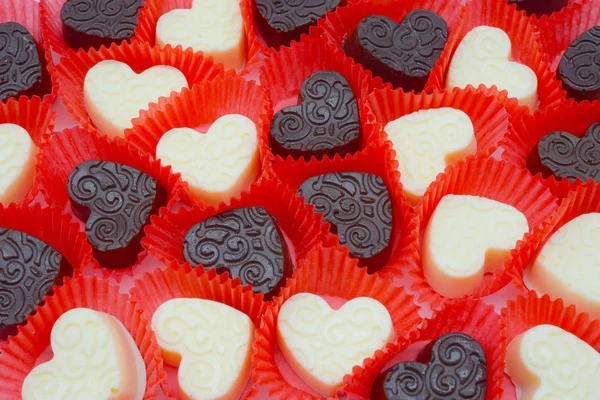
245 242
93 23
403 54
326 122
540 7
579 68
359 209
452 367
116 202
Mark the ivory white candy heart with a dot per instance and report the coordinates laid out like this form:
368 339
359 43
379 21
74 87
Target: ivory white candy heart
466 237
210 342
17 162
95 358
114 94
484 57
217 165
568 266
426 142
547 362
322 345
214 27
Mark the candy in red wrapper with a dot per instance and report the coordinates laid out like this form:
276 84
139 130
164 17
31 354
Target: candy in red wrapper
339 280
20 354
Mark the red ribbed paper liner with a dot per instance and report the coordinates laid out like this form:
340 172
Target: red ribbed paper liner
378 160
69 75
526 49
69 148
472 317
570 116
338 276
495 180
174 282
20 353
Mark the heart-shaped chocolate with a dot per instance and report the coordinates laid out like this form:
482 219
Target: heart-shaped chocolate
28 270
579 68
567 156
246 242
540 7
403 54
20 66
326 121
116 202
359 209
453 367
93 23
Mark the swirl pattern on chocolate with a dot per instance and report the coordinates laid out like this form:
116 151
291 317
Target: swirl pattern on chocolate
326 121
245 242
358 207
20 66
579 68
289 15
28 270
570 157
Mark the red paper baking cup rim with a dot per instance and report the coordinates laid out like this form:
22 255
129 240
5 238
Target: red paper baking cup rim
20 353
339 276
496 180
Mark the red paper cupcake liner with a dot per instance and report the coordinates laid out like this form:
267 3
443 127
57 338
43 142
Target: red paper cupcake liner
174 282
154 9
378 160
472 317
526 49
37 118
69 75
528 130
338 276
20 353
302 228
495 180
27 13
65 150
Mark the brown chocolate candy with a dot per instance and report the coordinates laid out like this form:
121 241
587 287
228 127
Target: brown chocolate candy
579 68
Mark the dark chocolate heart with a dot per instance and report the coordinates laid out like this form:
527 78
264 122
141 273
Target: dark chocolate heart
28 270
453 367
540 7
116 201
579 68
326 121
359 209
402 54
93 23
20 66
246 242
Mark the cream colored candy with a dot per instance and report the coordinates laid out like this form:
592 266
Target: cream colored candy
214 27
210 342
426 142
95 358
217 165
548 363
484 57
322 345
568 266
17 162
114 94
466 237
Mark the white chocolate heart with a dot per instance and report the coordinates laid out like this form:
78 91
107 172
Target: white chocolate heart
568 266
323 345
17 162
95 358
214 27
217 165
466 237
426 142
547 362
114 94
484 57
210 342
